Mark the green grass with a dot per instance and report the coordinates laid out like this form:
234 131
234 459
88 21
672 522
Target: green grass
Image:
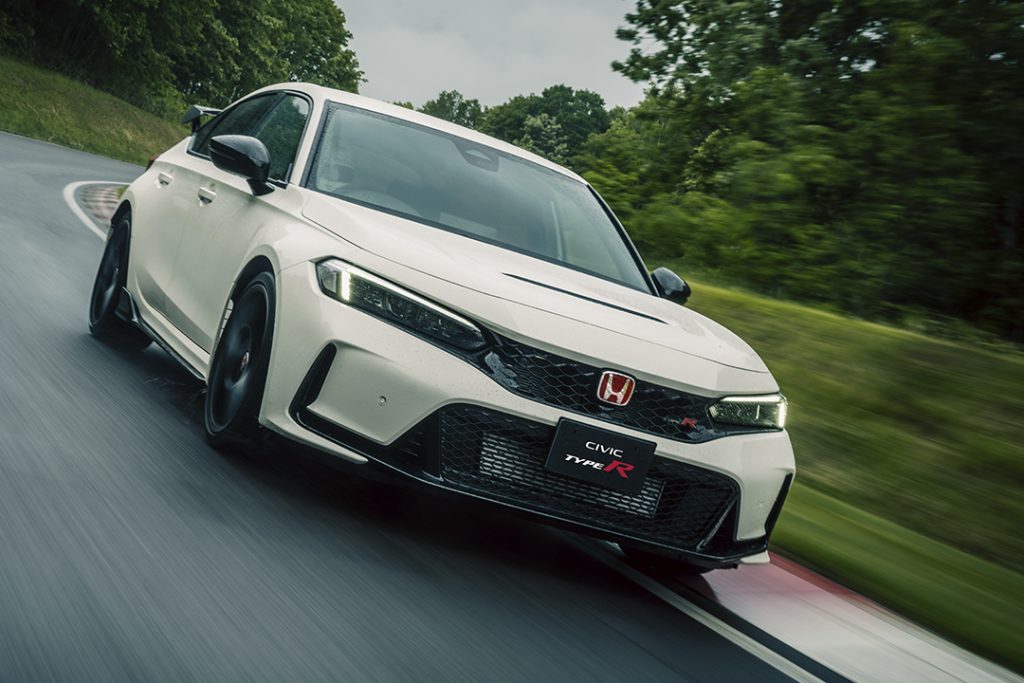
910 463
43 105
969 600
924 432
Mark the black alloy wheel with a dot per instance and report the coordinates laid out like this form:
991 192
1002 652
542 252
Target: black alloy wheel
111 278
238 373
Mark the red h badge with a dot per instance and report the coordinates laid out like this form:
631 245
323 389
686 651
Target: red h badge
615 388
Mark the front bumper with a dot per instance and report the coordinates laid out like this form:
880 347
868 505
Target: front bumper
350 384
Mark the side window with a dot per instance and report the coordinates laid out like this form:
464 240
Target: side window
281 132
239 120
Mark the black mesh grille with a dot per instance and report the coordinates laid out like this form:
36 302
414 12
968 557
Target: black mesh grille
502 458
568 384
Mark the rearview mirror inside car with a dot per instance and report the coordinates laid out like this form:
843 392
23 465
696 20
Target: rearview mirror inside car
245 156
670 286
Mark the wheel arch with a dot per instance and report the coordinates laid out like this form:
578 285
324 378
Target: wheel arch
259 262
125 207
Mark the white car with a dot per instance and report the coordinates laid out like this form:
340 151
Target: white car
394 289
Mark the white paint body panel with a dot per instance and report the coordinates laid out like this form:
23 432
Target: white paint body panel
186 257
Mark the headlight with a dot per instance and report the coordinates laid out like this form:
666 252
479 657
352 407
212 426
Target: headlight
398 306
751 411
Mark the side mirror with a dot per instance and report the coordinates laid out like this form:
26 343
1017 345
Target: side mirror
670 286
244 156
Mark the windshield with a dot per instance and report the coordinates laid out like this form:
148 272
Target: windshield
448 182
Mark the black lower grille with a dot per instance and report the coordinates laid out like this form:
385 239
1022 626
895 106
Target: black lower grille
501 457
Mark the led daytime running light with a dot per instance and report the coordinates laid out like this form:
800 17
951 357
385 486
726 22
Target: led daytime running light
766 411
385 300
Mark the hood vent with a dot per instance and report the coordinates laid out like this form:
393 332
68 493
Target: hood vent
585 298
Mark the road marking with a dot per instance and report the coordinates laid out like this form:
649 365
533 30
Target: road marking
597 550
69 199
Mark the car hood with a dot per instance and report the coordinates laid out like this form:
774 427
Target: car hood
592 317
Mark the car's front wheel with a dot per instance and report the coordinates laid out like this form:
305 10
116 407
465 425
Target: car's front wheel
104 323
238 373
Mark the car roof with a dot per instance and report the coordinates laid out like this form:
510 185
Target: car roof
319 92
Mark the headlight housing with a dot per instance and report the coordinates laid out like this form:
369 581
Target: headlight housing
751 411
398 306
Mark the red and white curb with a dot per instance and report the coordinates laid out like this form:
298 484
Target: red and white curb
829 624
99 201
95 204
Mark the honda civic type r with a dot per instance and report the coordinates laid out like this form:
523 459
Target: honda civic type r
394 289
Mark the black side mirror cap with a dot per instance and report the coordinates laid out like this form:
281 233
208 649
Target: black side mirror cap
670 286
245 156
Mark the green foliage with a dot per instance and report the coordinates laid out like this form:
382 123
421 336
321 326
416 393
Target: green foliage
863 155
579 114
506 120
452 106
543 135
158 54
556 123
613 164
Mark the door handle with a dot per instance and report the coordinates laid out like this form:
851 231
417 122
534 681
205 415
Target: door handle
206 195
164 178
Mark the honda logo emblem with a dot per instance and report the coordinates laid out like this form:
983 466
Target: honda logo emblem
615 388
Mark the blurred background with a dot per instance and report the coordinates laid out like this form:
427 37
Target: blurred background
841 180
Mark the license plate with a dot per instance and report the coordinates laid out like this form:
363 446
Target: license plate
599 456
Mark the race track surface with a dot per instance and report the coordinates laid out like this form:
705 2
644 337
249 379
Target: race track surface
129 549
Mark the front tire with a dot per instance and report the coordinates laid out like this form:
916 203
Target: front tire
238 373
110 281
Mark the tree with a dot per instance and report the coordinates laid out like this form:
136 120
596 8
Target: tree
865 154
615 161
159 53
312 45
506 121
578 113
543 135
451 105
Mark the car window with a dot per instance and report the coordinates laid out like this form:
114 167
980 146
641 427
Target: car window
449 182
581 246
239 120
281 132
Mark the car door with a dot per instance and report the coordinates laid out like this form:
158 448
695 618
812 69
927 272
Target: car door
226 218
180 177
158 221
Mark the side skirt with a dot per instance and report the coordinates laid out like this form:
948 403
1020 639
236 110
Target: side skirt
127 310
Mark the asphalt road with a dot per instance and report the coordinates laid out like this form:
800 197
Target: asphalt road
129 549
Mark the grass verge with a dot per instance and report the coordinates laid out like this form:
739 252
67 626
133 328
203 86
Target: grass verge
47 106
895 431
923 432
973 602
